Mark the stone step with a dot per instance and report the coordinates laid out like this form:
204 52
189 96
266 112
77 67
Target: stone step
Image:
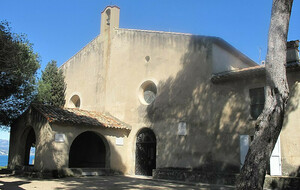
92 171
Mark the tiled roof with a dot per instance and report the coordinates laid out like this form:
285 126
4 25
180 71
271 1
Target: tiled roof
79 117
258 70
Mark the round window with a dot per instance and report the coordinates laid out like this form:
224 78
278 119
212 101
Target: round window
148 92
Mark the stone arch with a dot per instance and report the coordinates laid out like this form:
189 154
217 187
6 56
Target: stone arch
145 153
29 143
89 150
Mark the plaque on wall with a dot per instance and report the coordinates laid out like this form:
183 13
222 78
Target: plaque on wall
182 129
59 137
120 141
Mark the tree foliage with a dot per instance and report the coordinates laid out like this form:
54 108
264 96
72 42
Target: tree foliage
18 66
52 87
269 123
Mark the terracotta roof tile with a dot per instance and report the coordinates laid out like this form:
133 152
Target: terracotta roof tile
79 117
248 72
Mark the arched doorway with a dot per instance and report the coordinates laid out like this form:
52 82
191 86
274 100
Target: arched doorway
87 151
145 156
30 148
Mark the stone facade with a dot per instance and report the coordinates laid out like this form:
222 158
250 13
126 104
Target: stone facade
186 89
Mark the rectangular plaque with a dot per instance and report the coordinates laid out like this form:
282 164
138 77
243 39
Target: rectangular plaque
59 137
120 141
182 129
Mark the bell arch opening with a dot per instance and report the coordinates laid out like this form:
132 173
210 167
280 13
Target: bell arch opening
145 156
89 150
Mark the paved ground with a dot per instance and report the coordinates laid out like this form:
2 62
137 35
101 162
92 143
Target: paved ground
97 182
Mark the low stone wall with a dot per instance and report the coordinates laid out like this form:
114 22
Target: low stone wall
282 182
190 175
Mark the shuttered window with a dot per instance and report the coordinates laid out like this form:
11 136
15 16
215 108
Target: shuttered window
257 97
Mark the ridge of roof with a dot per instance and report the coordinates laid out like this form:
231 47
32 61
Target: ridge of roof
154 31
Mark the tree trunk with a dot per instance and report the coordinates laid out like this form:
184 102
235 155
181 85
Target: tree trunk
269 123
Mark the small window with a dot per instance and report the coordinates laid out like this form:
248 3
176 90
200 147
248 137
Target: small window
74 102
257 97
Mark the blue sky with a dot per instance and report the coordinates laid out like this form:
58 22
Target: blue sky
60 28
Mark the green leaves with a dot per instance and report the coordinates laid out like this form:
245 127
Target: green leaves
18 66
52 87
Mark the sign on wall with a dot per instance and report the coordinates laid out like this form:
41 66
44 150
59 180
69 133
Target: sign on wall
182 128
120 141
59 137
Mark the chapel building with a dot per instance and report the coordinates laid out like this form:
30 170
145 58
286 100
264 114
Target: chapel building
167 104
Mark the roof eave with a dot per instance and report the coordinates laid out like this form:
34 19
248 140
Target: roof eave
259 71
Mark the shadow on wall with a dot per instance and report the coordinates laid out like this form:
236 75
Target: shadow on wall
291 183
215 115
293 102
87 154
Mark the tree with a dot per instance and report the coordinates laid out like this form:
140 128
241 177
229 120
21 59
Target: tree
18 66
269 123
52 87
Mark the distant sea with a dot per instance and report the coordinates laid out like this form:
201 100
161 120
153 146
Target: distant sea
4 160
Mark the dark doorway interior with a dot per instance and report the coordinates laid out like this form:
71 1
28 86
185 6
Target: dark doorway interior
145 152
87 151
30 142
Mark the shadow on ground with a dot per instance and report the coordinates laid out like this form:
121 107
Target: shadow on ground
123 182
14 185
100 182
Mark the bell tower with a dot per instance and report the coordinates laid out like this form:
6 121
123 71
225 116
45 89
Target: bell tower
110 18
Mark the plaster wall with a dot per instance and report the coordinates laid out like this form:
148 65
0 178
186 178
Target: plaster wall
85 76
128 68
115 65
289 136
223 60
114 152
215 115
181 67
18 137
